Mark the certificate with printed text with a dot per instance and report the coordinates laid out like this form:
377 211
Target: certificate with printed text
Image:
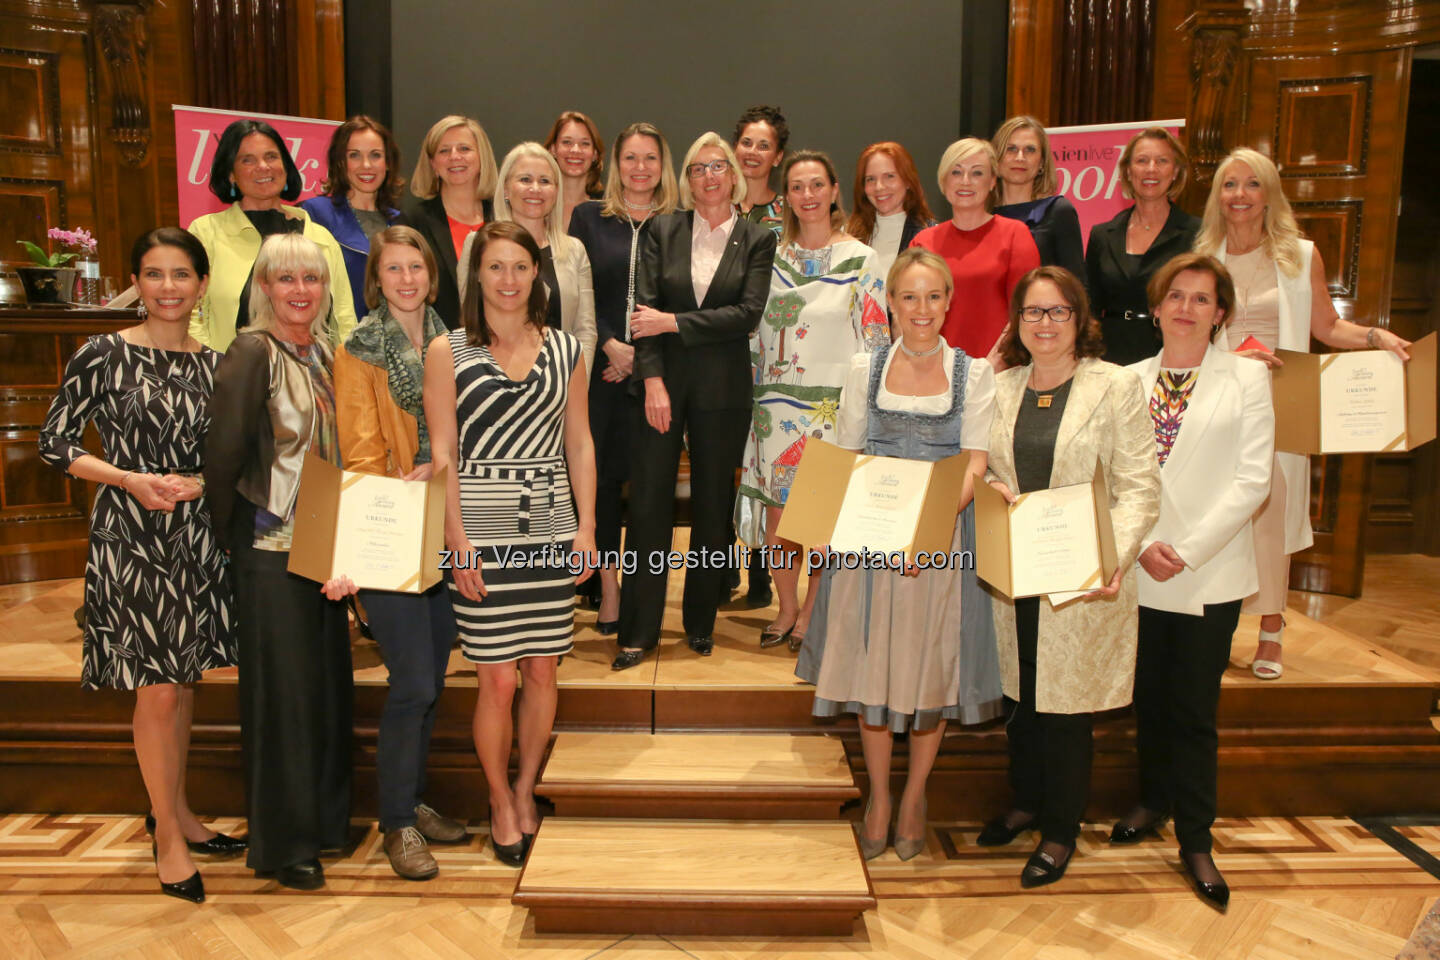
882 505
1362 402
379 531
1054 541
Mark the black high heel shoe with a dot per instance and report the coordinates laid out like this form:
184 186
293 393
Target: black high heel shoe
220 845
996 833
191 889
510 854
1123 834
607 628
1216 892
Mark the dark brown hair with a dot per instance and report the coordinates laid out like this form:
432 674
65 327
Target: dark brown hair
1159 284
337 184
594 183
402 236
862 221
764 113
1088 342
472 311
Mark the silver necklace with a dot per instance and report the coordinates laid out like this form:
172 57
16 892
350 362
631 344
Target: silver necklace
635 229
919 354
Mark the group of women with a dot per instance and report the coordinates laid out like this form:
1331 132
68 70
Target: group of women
552 329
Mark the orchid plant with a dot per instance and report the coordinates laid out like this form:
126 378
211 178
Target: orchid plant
79 241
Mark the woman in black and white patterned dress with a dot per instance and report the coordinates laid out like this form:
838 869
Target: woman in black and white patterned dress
505 399
157 600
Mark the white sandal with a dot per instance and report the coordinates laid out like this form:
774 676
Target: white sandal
1269 669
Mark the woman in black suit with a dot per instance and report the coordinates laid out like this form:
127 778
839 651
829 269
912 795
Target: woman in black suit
451 189
702 282
1026 190
1126 250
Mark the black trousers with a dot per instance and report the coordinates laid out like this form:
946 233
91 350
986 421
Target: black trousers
717 442
415 634
1178 666
1049 752
612 420
296 696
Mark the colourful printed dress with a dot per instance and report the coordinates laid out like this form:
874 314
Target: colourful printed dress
825 306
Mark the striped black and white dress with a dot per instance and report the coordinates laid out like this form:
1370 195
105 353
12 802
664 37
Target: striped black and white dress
515 501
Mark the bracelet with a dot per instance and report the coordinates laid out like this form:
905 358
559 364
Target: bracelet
123 477
1370 337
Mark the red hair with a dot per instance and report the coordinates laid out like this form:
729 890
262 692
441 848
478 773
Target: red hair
862 221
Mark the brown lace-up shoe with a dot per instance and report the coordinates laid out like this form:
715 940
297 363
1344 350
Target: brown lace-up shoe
410 855
438 829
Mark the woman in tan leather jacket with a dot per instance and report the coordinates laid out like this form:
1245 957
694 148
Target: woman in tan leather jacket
273 402
378 376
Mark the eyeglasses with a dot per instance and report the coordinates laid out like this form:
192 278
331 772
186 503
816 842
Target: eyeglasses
697 170
1057 314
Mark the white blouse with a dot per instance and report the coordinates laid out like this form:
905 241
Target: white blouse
886 239
979 400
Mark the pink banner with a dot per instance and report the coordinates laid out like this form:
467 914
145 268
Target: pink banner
1087 162
197 132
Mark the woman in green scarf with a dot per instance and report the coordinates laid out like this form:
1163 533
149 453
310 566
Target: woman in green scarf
378 376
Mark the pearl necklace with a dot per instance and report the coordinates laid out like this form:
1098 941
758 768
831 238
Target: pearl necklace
919 354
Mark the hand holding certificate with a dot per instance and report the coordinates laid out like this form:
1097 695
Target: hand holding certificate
1058 541
379 532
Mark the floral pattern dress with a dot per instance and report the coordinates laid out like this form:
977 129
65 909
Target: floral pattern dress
825 306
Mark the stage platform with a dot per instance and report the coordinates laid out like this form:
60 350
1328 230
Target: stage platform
1349 729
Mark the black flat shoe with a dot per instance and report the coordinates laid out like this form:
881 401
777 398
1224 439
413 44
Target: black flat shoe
1123 834
1042 870
997 834
192 888
626 659
607 628
305 875
773 638
1215 893
702 645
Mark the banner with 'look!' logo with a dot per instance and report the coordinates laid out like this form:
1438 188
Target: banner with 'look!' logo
197 133
1087 162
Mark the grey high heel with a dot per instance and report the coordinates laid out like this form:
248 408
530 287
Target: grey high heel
870 849
908 848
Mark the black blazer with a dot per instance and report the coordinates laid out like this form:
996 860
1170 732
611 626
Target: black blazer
913 225
1055 230
1116 283
428 217
710 355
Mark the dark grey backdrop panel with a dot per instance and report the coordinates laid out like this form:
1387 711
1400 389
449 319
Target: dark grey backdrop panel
846 72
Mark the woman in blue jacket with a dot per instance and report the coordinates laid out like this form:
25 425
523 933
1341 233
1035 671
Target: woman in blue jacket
360 192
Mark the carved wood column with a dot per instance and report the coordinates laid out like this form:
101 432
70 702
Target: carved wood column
270 56
1081 61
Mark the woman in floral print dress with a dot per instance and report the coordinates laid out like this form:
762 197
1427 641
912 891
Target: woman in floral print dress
827 303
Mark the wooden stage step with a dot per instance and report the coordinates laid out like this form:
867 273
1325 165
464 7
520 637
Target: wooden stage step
698 775
732 878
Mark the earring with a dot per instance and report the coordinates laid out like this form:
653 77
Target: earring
141 312
1155 321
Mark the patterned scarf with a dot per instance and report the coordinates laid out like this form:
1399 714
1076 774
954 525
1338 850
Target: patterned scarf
1168 402
380 341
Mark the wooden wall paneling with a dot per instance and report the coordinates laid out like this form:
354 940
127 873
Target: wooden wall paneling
318 88
1034 34
1335 127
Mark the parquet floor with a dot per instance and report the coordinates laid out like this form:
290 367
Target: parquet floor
1308 889
82 886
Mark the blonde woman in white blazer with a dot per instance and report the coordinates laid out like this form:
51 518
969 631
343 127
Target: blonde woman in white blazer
1282 300
1060 410
1214 431
529 194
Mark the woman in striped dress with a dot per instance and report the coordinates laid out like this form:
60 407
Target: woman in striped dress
505 399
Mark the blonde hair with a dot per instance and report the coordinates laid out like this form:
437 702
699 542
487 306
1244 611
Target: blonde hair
790 220
1182 161
961 149
290 251
555 233
1045 180
398 235
709 139
1279 233
424 184
666 195
919 257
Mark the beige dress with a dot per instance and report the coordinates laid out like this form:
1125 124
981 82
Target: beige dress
1257 314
